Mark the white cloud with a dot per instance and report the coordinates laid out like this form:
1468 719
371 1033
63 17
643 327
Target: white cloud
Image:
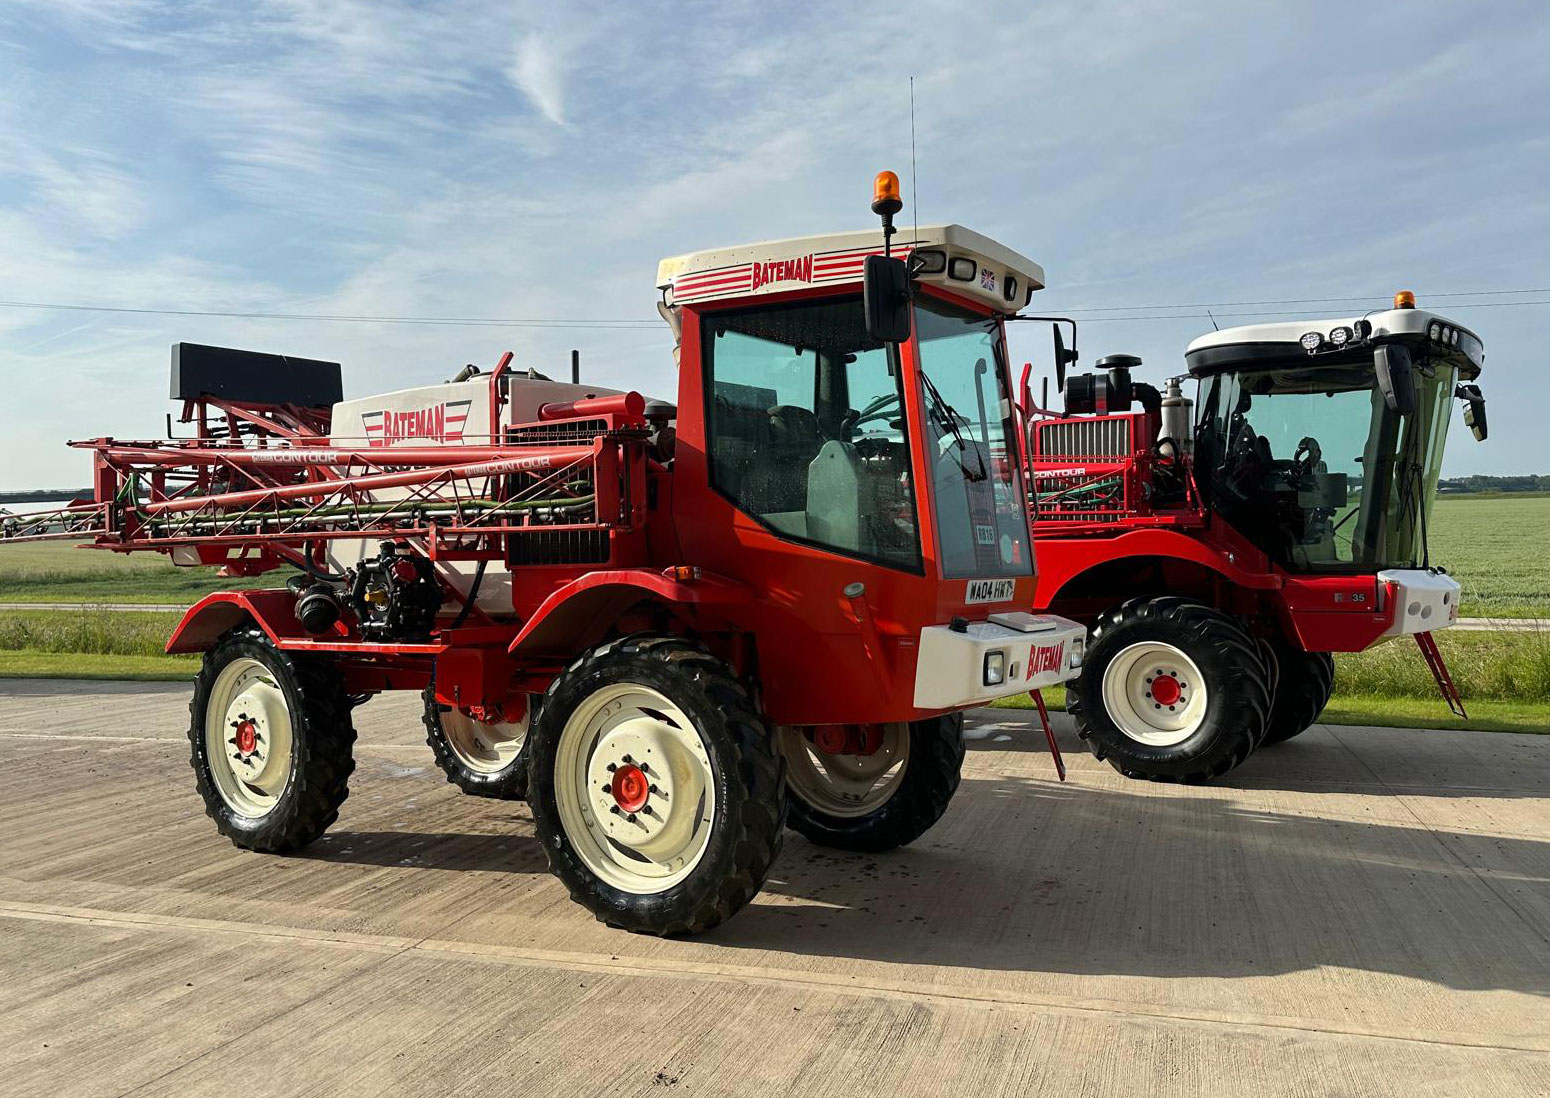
536 71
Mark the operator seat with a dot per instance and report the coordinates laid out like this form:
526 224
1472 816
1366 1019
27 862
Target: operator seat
795 439
838 498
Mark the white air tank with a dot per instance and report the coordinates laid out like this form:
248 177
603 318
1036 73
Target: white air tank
1178 416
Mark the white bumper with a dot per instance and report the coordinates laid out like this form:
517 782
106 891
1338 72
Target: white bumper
1422 600
1009 654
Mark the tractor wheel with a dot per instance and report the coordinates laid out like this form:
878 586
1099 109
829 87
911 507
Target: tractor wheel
270 735
483 760
1303 687
1171 690
655 788
877 801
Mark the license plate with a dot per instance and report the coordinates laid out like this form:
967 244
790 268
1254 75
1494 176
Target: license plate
989 591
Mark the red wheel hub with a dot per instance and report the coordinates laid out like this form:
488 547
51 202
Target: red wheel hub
1166 690
247 737
831 739
630 788
848 739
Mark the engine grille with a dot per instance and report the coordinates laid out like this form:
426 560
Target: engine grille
1084 438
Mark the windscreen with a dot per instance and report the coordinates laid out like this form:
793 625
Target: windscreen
977 489
1313 466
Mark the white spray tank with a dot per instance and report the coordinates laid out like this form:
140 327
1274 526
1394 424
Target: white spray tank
1178 416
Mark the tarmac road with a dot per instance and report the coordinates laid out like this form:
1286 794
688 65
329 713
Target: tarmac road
1358 912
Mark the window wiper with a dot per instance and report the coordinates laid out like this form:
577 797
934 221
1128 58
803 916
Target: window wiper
947 418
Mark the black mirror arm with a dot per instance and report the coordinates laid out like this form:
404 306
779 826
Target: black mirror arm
1063 357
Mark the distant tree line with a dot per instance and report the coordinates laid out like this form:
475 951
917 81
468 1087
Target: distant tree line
1528 483
44 495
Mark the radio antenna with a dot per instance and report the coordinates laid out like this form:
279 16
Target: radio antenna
914 182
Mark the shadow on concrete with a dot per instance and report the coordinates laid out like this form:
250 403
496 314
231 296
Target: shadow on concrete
503 853
1027 874
1436 763
1031 875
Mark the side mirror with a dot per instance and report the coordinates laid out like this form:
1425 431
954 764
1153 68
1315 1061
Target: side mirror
1474 414
1395 378
885 299
1063 357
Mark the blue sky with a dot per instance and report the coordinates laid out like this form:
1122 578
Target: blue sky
371 157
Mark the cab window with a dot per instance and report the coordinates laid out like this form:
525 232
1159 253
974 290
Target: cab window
806 428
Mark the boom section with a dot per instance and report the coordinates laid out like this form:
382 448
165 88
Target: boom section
582 467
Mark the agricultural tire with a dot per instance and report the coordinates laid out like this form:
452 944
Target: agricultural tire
270 737
483 760
1302 690
837 808
655 787
1211 701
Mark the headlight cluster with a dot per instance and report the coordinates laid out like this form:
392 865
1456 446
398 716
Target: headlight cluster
1313 342
1446 334
995 667
1076 653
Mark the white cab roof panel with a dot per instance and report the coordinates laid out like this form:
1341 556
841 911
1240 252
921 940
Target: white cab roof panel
1389 322
1000 278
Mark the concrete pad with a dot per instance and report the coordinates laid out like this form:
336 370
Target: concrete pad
1334 917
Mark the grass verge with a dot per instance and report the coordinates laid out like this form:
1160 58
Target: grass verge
1485 715
70 633
60 572
33 664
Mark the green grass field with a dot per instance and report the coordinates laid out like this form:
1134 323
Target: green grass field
55 571
1498 547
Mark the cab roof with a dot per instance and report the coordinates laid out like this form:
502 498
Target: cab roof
1272 346
984 270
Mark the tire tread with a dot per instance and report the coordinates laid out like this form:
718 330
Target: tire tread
758 768
1224 635
323 741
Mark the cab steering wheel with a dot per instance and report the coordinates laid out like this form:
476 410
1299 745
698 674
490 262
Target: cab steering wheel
1305 460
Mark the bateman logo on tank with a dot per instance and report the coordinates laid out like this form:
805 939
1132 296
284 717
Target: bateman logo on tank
438 423
783 270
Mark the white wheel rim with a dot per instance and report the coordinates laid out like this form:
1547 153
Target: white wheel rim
845 785
653 848
1155 694
249 738
483 748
